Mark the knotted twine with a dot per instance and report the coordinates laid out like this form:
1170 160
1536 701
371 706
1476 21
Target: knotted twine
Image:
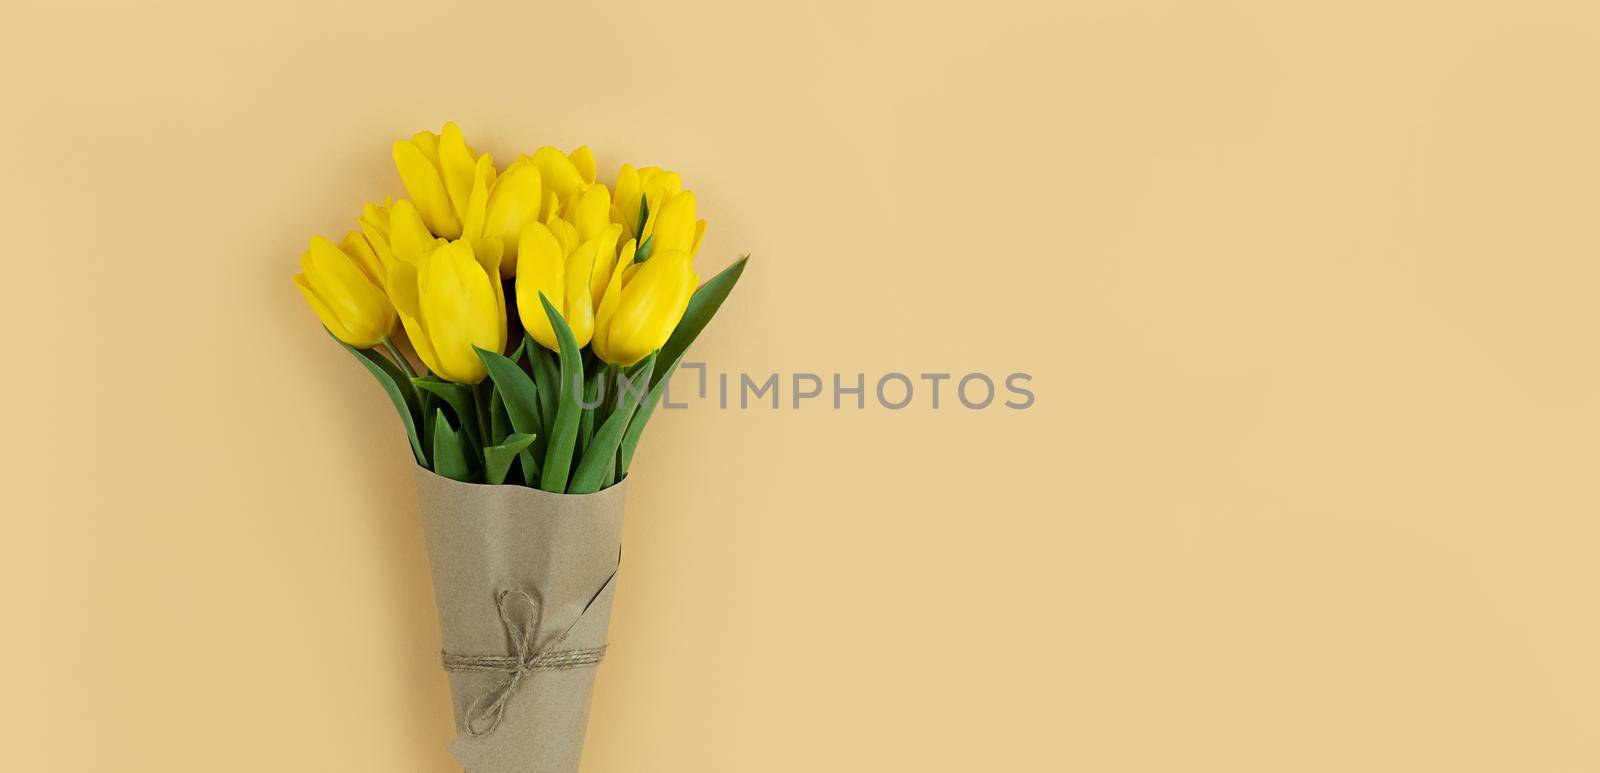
481 718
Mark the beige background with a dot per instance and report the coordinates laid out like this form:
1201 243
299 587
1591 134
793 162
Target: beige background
1308 296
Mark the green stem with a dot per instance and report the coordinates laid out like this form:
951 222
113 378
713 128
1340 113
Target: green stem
405 364
608 378
480 402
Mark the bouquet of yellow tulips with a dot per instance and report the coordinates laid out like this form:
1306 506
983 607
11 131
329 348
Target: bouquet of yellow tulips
521 454
602 282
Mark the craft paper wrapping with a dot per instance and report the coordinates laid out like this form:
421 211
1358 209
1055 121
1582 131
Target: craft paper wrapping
488 546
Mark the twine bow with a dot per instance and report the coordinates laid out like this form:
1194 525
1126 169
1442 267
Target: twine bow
482 718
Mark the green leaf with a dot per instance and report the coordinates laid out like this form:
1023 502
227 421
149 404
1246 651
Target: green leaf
591 386
497 459
430 403
462 403
516 391
564 428
399 390
547 378
457 396
499 422
630 439
643 253
644 213
702 307
448 459
516 356
547 385
602 453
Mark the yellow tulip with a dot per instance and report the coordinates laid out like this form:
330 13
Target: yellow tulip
591 218
374 225
451 300
458 194
671 209
675 227
591 212
432 168
564 173
345 294
642 304
552 262
635 185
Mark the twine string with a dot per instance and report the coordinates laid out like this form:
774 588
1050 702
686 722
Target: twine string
485 713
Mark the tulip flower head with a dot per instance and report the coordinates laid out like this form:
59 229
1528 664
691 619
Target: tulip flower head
450 301
554 264
670 210
342 287
642 305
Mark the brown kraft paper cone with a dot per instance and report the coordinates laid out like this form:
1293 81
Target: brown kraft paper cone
524 581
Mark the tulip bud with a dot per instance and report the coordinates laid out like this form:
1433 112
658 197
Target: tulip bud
670 209
344 294
450 301
642 305
550 261
418 163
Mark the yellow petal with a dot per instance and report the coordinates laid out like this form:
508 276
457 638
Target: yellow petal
674 229
605 260
488 254
477 204
570 204
591 215
626 198
658 186
330 268
650 307
428 143
609 302
457 167
625 257
355 245
550 208
329 319
347 294
403 290
558 172
408 237
579 307
374 225
458 302
566 233
541 268
583 160
377 215
426 187
513 203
